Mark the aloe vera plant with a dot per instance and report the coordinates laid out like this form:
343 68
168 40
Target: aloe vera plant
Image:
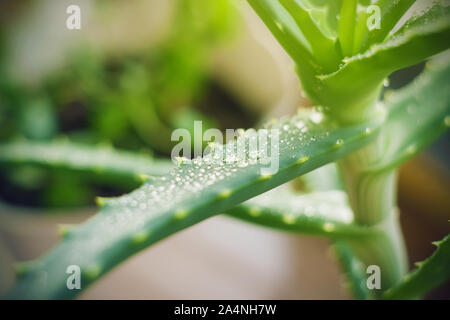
342 66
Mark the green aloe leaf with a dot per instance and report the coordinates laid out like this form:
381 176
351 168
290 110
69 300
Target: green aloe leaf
322 181
323 46
420 38
100 159
418 114
188 195
319 146
323 213
319 213
353 269
285 29
390 14
347 21
430 273
325 14
131 166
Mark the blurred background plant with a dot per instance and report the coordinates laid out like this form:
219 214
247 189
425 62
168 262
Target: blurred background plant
131 100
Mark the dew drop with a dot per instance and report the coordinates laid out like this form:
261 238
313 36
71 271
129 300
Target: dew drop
309 211
243 164
339 143
300 124
316 117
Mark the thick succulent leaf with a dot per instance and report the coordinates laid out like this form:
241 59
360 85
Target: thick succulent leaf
353 269
347 21
307 30
325 14
322 181
131 166
189 194
418 114
82 158
320 213
178 213
421 38
390 14
284 28
430 273
424 14
323 46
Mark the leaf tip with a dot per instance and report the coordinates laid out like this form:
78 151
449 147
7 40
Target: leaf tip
436 243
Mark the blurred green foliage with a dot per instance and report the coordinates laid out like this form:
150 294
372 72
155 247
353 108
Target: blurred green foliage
131 101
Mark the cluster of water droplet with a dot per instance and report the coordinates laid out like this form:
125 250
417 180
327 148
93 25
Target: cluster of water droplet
330 205
285 137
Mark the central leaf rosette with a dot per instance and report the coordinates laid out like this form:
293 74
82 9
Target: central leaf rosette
344 49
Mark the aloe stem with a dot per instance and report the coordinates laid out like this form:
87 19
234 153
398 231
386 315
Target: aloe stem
372 196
